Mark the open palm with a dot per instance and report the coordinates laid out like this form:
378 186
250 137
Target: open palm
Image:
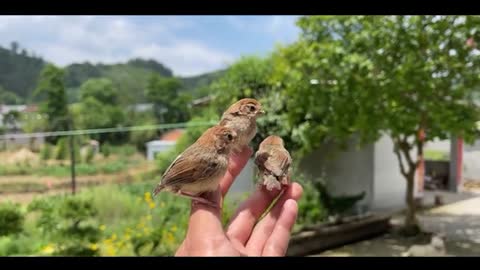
245 235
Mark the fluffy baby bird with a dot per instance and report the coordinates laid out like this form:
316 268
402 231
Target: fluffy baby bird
242 117
273 162
200 167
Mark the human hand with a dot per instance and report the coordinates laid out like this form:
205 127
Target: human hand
243 236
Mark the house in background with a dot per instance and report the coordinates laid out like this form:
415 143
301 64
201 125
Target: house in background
164 143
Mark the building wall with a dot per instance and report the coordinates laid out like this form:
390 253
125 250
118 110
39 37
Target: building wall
245 181
347 172
388 184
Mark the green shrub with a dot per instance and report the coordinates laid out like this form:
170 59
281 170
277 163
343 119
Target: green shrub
105 149
89 155
113 167
61 150
46 151
311 209
11 219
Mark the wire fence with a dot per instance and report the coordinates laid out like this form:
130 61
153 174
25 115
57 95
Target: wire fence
102 130
72 133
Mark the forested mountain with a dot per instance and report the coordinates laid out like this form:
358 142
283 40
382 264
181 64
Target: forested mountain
20 69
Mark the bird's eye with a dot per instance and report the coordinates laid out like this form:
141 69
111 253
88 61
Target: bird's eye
252 108
230 137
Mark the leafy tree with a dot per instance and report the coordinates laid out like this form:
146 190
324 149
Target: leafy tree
7 97
55 104
11 119
404 76
254 77
169 106
99 108
19 73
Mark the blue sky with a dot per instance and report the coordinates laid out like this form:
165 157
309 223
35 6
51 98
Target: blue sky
189 45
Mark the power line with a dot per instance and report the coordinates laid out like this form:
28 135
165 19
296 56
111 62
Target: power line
103 130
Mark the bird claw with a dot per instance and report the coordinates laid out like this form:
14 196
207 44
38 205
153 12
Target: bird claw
198 199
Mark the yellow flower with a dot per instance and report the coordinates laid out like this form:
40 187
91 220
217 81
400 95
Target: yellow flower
94 247
151 205
170 238
110 251
174 228
102 227
48 249
114 236
149 217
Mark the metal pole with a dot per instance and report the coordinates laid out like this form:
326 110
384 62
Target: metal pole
72 162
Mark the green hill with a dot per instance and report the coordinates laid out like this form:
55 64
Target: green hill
19 72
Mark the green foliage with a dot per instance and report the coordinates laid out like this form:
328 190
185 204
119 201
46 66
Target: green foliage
19 74
89 155
255 77
10 98
105 149
11 119
99 108
140 137
311 209
69 223
11 219
61 149
375 75
195 84
55 104
46 151
436 155
168 105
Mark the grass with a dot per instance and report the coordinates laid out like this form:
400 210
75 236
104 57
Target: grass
60 170
436 155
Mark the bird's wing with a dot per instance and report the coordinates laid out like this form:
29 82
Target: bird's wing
278 161
188 168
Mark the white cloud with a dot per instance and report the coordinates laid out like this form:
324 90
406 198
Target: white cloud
189 56
283 28
67 39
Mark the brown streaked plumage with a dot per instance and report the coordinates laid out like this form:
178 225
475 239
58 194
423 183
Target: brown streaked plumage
273 162
242 117
201 166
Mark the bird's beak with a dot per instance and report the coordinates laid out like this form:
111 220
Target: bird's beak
261 112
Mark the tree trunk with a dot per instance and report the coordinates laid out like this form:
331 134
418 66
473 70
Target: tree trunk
411 222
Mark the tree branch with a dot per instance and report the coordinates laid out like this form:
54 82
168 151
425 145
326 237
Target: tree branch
405 147
399 157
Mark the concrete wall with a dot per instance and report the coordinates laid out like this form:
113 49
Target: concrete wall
245 181
347 172
389 184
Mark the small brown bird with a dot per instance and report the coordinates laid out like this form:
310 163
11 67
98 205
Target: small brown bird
242 117
273 162
200 167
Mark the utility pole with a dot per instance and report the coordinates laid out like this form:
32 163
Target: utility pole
72 159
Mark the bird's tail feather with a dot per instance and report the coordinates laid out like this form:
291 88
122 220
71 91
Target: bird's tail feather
157 189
